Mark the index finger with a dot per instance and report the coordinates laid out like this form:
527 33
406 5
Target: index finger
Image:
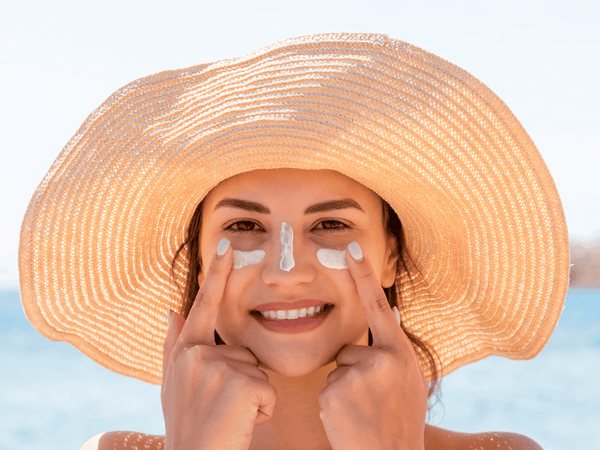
200 324
382 320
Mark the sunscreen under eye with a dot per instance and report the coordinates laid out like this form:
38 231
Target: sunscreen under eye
287 262
243 259
332 259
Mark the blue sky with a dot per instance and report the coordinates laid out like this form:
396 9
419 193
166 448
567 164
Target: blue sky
59 60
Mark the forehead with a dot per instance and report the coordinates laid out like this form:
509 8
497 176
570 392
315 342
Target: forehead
287 185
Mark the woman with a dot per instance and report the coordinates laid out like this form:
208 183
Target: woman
280 204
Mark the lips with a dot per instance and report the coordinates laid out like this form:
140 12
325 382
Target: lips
292 317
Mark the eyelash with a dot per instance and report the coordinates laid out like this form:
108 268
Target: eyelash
339 226
231 229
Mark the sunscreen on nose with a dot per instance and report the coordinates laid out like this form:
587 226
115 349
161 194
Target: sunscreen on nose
332 259
243 259
287 247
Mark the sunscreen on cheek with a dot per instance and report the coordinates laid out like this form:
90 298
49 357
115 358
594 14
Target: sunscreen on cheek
332 259
287 247
243 259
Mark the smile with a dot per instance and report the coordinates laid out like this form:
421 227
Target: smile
291 314
297 320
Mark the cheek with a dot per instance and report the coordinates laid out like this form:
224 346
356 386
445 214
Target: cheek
233 317
229 325
351 309
355 326
332 259
378 258
247 258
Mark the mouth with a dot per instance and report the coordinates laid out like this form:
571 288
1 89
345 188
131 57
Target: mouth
292 320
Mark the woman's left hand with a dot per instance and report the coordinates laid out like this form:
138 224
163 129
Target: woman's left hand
376 398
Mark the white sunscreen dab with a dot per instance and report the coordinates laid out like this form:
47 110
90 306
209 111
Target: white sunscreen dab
243 259
332 259
397 314
287 247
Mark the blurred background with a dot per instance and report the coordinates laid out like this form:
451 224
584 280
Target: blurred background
59 60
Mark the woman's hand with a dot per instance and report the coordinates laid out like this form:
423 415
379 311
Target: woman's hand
212 396
377 396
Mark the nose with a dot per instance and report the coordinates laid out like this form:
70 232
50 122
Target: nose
287 264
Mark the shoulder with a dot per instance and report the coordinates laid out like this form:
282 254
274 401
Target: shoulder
440 439
124 440
435 439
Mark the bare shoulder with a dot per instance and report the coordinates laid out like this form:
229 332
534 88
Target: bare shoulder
435 439
441 439
124 440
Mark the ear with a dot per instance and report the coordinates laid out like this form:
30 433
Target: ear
390 265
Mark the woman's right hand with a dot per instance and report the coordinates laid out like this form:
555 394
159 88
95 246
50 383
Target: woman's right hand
212 395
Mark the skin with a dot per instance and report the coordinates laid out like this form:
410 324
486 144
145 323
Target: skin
319 389
297 355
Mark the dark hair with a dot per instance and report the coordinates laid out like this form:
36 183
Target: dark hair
393 228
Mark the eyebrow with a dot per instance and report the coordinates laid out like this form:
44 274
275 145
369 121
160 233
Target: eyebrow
242 204
313 209
333 205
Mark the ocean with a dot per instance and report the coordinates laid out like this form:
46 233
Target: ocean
55 398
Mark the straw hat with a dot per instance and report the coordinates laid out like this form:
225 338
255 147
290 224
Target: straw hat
482 216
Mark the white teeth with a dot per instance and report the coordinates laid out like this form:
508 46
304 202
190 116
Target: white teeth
291 314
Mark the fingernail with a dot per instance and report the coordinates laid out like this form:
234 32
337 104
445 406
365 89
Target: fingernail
223 246
355 251
169 317
397 314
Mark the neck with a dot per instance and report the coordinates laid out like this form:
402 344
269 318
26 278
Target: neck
296 416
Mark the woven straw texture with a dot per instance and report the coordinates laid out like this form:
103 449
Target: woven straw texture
483 218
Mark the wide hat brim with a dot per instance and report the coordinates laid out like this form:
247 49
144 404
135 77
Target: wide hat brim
483 219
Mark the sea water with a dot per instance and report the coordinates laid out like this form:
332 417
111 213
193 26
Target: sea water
552 398
53 397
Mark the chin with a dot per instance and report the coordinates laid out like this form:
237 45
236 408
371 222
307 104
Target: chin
301 358
299 355
294 367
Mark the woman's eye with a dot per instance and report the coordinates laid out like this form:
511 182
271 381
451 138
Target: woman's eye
334 225
244 226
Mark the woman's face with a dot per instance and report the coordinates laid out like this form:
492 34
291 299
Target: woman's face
325 210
